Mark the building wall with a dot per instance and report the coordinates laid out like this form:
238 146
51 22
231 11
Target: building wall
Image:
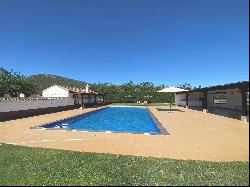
180 99
55 91
194 99
71 95
233 99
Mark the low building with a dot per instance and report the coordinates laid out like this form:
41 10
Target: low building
61 91
231 100
82 96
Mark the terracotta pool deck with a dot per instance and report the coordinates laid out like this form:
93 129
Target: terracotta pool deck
193 135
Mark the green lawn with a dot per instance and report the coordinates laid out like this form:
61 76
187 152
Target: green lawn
37 166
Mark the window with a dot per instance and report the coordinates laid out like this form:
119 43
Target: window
219 98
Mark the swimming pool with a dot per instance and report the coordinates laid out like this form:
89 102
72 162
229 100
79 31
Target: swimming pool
112 118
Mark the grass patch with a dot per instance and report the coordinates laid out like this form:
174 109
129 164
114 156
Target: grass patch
38 166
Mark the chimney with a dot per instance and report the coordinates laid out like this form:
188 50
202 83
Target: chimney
87 88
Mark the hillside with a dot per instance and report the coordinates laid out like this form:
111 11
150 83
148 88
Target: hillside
45 80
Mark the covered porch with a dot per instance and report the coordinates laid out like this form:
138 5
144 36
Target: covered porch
230 100
88 99
190 99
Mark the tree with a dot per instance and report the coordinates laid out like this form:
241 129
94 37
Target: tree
12 82
119 92
185 86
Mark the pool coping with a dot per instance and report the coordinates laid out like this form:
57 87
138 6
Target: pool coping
158 123
163 131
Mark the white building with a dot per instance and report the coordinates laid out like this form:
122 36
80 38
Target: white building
58 91
83 96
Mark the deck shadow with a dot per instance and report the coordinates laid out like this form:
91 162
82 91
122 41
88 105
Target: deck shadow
169 110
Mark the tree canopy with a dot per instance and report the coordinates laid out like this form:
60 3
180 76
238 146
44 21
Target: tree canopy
13 83
185 86
131 92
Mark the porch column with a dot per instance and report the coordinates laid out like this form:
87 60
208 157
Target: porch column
82 104
186 100
204 102
95 98
244 113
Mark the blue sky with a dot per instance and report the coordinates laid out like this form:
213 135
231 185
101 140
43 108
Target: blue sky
202 42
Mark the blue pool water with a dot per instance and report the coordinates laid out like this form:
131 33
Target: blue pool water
132 119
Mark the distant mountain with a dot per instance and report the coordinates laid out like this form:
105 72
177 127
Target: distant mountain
2 70
46 80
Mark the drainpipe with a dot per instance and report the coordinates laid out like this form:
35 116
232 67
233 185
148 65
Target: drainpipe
186 100
82 104
244 113
204 102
